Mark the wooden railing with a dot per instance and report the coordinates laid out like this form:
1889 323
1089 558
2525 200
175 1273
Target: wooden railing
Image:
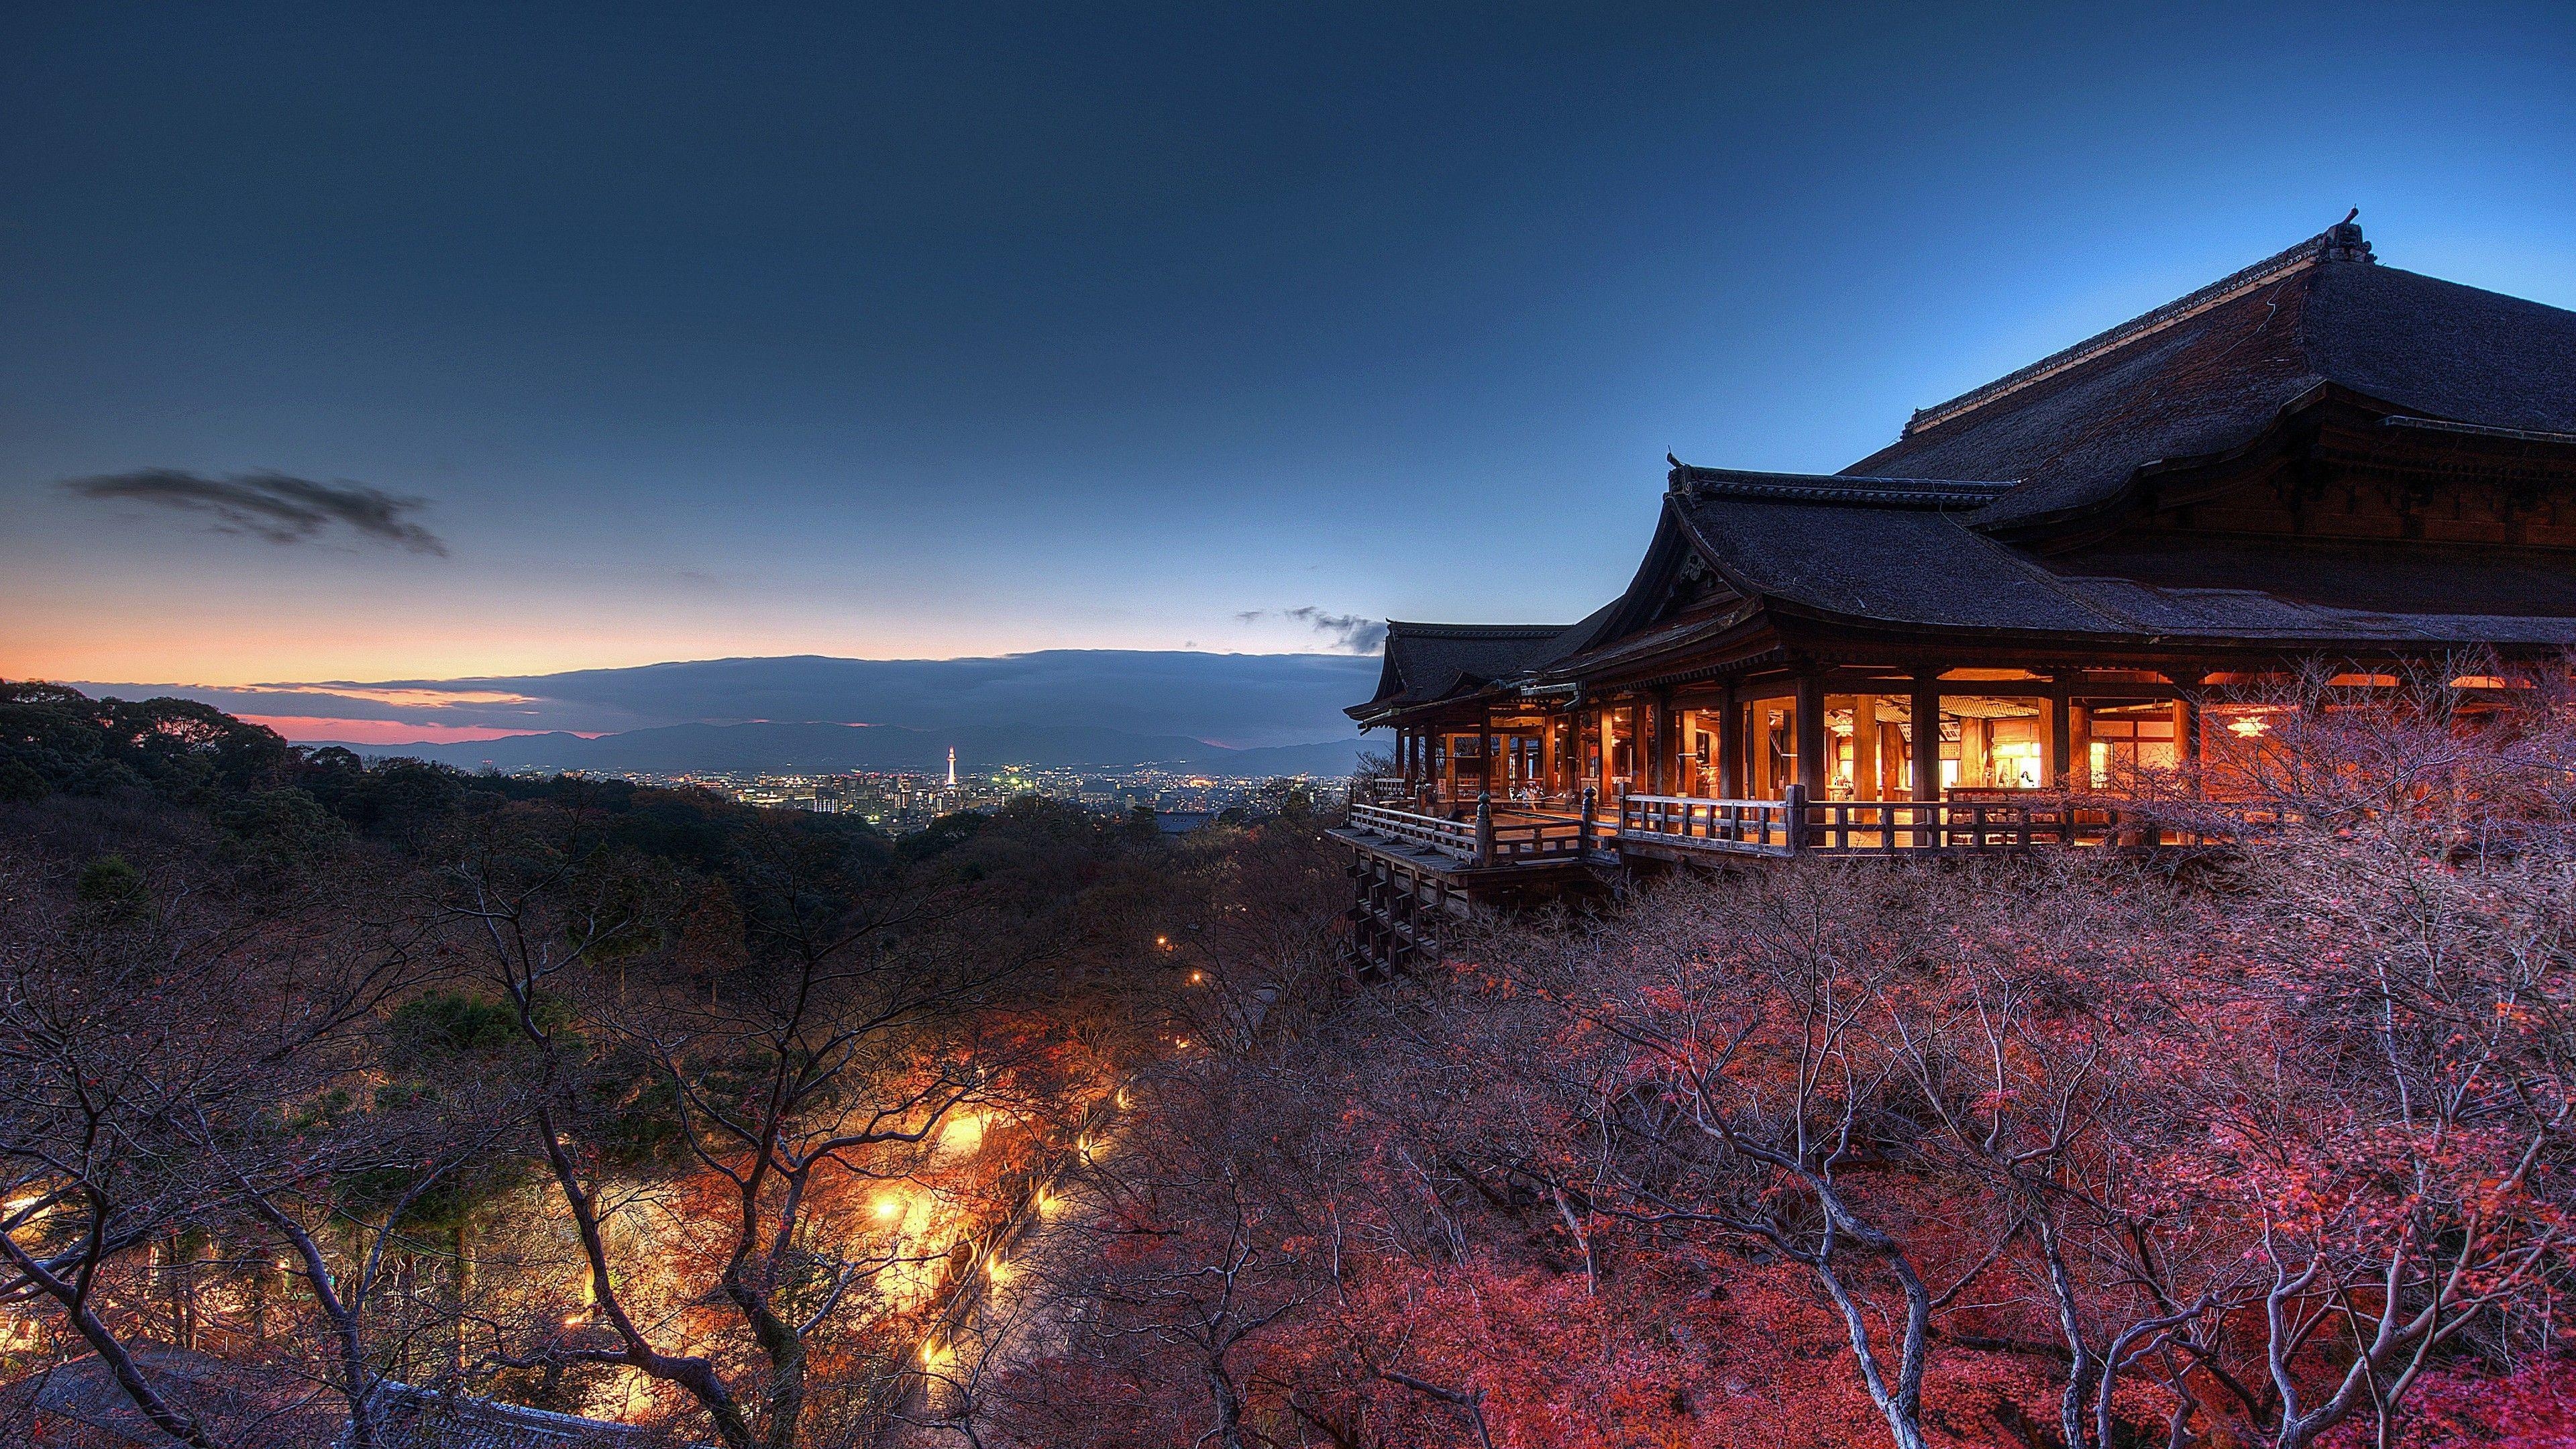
1741 827
1886 827
1492 837
1520 839
1794 826
1449 837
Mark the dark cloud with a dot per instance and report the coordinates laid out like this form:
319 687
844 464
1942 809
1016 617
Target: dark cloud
275 506
1349 632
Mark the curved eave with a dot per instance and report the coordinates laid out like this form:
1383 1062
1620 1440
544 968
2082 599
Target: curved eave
2148 475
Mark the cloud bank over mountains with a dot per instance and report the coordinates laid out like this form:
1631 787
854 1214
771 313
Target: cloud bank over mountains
832 748
1231 700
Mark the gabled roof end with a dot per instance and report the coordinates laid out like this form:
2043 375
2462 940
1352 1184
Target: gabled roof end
2342 242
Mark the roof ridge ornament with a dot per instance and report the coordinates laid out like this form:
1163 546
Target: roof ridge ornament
2342 242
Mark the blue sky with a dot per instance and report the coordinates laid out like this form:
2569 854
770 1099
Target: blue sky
963 330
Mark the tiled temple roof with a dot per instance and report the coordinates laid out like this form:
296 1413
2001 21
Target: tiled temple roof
2211 371
1918 535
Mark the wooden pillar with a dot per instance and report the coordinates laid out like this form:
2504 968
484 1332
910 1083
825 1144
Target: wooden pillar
2187 728
1810 726
1681 770
2059 772
1485 748
1976 761
1864 774
2079 740
1659 734
1730 747
1926 747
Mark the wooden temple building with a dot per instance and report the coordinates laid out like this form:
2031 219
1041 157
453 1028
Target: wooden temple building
2041 584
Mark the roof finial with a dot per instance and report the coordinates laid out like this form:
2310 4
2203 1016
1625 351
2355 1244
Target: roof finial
2344 242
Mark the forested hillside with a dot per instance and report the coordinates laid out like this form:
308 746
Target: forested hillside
757 1128
614 1101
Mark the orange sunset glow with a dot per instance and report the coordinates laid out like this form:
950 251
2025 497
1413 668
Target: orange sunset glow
382 731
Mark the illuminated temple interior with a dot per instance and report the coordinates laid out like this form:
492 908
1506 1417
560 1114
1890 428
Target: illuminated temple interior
2110 566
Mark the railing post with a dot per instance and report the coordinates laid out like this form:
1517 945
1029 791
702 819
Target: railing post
1584 840
1485 828
1795 799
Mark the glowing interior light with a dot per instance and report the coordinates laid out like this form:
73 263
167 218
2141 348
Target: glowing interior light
2249 726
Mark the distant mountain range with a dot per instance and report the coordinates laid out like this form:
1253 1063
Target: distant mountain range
774 748
1241 699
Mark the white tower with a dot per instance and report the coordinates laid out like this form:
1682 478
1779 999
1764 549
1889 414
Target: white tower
952 767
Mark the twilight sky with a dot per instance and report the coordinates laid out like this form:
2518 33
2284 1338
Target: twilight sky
945 330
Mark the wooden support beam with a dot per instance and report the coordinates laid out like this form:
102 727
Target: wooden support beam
1485 748
1810 726
1864 767
2187 732
1926 747
1730 748
2060 773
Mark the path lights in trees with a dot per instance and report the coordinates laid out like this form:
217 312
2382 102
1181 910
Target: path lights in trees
999 1271
1196 977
